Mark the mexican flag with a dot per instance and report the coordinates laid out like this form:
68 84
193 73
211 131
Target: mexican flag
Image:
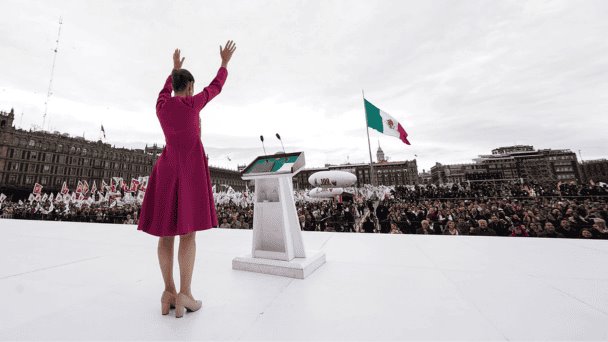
384 123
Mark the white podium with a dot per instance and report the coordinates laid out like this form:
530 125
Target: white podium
277 246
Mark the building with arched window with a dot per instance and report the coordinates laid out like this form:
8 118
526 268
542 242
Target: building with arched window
29 157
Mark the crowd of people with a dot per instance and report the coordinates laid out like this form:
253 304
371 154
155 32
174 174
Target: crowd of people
529 210
502 189
537 217
95 212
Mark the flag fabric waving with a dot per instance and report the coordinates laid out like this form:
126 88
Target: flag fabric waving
134 185
79 187
384 123
94 187
37 188
64 188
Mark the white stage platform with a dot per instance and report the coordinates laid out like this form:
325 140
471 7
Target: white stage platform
77 281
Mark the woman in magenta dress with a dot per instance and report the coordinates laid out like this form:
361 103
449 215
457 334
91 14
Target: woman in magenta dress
179 198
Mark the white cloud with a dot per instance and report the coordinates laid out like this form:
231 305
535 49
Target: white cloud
462 77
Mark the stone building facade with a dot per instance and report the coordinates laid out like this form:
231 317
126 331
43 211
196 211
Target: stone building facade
386 173
27 157
512 163
594 170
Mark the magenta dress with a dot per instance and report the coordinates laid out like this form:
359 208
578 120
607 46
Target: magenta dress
179 198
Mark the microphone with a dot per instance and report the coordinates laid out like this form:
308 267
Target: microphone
278 136
262 138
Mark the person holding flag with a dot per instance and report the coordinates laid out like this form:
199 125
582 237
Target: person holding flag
179 198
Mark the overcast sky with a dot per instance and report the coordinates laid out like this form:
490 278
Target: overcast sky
462 77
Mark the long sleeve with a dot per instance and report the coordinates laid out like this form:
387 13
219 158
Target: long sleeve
210 91
165 93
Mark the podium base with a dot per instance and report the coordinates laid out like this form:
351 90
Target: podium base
296 268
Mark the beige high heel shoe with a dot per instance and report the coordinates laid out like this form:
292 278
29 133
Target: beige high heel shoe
184 302
167 301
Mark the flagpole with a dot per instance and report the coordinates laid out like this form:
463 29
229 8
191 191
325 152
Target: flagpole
371 169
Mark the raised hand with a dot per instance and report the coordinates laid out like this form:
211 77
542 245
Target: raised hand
177 63
226 52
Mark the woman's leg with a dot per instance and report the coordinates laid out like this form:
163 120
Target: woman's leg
165 259
186 254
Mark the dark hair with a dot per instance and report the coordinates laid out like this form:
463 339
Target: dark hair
180 79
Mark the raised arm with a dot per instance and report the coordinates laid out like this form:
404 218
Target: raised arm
165 93
215 87
211 91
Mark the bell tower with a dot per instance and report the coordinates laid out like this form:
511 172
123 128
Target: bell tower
380 154
6 120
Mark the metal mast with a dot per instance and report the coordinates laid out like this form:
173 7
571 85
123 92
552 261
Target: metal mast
49 92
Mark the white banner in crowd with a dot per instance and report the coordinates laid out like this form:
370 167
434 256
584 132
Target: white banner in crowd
135 194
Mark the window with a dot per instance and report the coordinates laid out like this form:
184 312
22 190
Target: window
32 142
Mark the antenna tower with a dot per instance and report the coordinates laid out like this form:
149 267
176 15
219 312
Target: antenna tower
49 92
